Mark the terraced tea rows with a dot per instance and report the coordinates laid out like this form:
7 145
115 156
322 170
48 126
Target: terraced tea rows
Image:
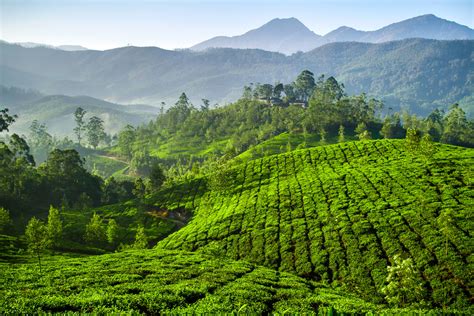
155 282
340 213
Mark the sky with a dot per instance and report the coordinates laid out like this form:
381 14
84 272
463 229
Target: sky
170 24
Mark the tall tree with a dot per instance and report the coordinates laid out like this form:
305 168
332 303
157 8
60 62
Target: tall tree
277 90
290 94
4 218
95 232
80 124
54 227
362 132
264 91
112 231
95 131
141 240
36 238
6 119
247 93
341 138
39 135
305 84
20 149
412 140
434 124
126 138
457 130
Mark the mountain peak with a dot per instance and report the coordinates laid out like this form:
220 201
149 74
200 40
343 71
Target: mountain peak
283 26
285 35
289 35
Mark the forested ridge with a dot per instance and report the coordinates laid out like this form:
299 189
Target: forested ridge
298 197
418 74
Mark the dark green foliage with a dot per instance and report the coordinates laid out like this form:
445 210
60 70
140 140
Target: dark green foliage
95 131
20 149
125 141
392 127
157 177
304 85
116 191
142 163
6 119
139 188
5 219
66 167
457 129
80 124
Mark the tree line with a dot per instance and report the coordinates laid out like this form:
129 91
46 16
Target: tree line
61 180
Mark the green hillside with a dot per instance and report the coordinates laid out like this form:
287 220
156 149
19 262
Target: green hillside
155 282
339 214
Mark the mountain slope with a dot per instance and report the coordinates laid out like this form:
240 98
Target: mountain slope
279 35
420 74
340 214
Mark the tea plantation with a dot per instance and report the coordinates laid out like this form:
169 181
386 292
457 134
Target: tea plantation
339 214
153 282
311 231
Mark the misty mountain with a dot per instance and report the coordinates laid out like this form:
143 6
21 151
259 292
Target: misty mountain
416 73
69 48
56 111
290 35
425 26
279 35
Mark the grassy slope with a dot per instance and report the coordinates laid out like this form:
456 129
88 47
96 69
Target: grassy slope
279 144
339 213
153 282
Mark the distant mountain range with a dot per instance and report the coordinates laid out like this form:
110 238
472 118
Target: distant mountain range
69 48
417 73
56 111
289 36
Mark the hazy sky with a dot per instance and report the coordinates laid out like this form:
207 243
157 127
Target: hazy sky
103 24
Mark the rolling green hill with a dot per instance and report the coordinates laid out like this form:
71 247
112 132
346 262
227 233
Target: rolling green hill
340 213
308 231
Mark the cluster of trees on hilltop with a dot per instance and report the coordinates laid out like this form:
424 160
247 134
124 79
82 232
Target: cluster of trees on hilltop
305 106
296 92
